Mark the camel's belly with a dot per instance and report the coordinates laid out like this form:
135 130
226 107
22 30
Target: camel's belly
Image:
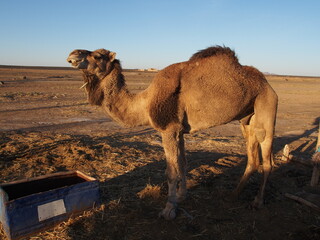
199 120
206 113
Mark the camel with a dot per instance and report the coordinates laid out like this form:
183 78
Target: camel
211 88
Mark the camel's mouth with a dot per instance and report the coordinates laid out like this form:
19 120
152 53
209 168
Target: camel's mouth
76 63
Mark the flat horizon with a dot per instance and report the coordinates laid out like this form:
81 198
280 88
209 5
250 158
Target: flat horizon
132 69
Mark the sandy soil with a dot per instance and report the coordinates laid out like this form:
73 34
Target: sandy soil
47 126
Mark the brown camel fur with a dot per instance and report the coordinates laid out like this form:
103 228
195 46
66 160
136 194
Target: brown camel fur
210 89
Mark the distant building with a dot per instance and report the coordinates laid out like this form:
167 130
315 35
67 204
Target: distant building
152 70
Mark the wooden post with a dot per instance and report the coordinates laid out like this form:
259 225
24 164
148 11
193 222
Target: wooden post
286 157
316 163
303 201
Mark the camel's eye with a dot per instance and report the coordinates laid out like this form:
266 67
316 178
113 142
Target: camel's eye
97 57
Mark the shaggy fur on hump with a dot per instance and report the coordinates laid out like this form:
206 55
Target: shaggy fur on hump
214 51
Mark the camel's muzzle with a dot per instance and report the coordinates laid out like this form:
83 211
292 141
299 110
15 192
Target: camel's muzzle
76 62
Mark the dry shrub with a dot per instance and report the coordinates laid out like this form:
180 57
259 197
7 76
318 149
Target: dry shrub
150 192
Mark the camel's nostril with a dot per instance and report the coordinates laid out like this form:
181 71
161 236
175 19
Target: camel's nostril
69 61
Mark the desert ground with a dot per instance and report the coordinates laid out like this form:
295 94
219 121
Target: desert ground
47 126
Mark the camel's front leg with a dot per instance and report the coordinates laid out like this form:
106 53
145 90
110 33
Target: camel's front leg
173 145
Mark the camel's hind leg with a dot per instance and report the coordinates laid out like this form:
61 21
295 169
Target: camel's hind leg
252 153
259 131
265 108
266 152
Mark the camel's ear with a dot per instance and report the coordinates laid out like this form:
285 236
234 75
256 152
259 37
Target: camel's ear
112 56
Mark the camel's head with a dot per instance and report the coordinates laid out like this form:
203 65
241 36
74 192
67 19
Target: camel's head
95 66
97 62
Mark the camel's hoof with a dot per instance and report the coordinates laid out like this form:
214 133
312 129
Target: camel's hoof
170 212
168 215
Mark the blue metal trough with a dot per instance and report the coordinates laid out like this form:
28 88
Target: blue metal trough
31 205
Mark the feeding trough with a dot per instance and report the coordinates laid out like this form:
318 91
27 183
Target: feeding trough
31 205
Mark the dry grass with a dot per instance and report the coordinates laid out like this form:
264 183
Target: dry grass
152 192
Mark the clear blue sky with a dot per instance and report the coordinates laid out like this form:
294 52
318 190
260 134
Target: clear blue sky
276 36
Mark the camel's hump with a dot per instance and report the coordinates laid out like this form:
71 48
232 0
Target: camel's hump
214 51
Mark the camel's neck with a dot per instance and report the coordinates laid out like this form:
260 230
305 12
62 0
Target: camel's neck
124 107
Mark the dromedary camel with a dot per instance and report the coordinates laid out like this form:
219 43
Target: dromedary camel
210 89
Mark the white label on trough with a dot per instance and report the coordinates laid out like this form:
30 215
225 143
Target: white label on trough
51 209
